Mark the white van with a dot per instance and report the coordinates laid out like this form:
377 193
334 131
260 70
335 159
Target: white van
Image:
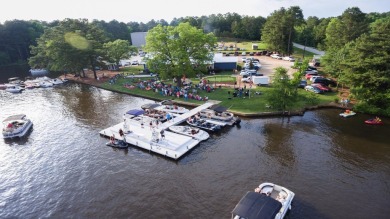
260 80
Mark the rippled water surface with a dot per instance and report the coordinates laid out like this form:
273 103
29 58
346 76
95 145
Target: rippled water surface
338 168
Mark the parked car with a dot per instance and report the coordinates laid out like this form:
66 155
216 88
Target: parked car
302 84
309 75
314 77
276 56
314 89
311 68
325 81
135 62
251 53
289 58
243 53
322 87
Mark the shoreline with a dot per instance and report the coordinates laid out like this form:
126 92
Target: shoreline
301 112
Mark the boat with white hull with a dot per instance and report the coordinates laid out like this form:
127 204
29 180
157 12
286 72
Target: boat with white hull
267 201
16 126
170 107
13 88
190 131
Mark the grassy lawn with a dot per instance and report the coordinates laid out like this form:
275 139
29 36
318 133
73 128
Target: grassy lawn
298 54
253 104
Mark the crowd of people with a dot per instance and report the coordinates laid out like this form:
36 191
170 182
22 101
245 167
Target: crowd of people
189 91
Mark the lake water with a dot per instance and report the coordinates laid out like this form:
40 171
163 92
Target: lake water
337 167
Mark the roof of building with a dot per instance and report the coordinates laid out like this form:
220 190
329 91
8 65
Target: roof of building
219 58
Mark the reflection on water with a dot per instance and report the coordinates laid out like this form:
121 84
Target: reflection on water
338 168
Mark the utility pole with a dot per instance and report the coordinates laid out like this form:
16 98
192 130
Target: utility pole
304 49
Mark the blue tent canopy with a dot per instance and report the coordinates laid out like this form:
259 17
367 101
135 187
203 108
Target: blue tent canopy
135 112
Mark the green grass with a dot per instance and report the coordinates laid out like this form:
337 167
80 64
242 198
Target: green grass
252 104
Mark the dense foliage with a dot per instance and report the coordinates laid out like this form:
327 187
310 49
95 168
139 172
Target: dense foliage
70 46
178 51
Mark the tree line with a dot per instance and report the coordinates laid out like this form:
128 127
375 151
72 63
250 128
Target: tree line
278 30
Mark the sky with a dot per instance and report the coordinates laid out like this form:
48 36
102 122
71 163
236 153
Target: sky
146 10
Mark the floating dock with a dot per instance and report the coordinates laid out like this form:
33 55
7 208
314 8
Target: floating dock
143 136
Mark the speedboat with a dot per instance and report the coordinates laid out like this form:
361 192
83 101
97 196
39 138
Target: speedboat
267 201
347 113
219 114
16 126
13 88
193 132
169 106
374 121
203 124
56 81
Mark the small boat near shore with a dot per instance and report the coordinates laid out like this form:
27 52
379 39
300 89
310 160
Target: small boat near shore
267 201
169 106
16 126
347 113
193 132
374 121
13 88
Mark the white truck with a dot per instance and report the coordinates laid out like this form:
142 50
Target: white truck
260 80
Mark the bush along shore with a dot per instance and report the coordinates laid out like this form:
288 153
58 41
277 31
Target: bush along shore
243 101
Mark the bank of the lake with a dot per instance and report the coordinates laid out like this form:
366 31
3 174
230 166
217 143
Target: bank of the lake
254 105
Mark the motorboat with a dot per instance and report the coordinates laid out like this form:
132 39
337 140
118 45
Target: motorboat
36 72
347 113
16 126
13 88
190 131
203 124
267 201
56 81
45 84
219 113
151 110
374 121
169 106
117 144
15 80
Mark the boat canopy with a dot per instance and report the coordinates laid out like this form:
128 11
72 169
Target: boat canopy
150 106
218 109
135 112
256 205
14 117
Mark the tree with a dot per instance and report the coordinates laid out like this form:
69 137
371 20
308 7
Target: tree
177 51
118 49
70 46
366 66
278 31
284 92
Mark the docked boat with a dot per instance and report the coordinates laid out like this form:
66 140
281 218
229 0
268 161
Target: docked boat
117 144
203 124
267 201
13 88
193 132
347 113
151 110
169 106
16 126
45 84
219 113
56 81
36 72
374 121
15 81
